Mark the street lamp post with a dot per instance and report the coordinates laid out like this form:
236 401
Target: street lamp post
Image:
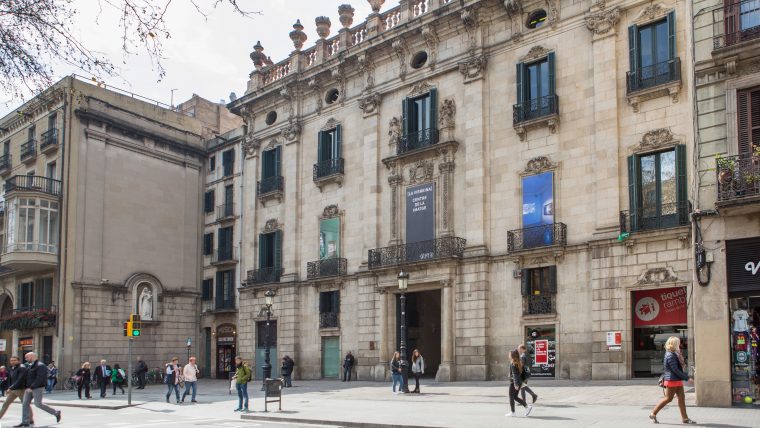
268 299
403 282
189 344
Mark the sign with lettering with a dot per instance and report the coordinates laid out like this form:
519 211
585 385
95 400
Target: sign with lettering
614 340
420 221
26 341
541 352
661 306
743 265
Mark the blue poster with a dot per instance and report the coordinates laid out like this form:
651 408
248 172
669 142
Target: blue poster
420 221
538 210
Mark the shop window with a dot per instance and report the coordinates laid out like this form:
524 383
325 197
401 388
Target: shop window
658 314
541 344
652 54
329 309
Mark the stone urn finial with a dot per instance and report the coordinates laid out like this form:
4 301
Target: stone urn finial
346 13
297 35
376 5
323 26
257 56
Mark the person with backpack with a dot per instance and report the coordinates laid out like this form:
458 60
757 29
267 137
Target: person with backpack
52 377
673 378
117 378
173 374
516 370
525 360
242 377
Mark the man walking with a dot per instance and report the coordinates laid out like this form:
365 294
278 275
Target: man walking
141 370
36 379
526 363
103 376
348 365
190 373
17 382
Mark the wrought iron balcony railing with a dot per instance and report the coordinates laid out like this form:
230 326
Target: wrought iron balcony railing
329 320
263 275
29 149
741 22
5 162
738 177
653 75
225 211
29 317
663 217
269 185
534 109
224 255
417 140
224 304
49 138
327 168
539 304
326 268
545 235
435 249
33 183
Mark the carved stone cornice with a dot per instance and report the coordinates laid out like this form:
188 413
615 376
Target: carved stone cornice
250 146
272 225
536 52
330 124
538 165
431 41
602 22
394 131
291 131
421 171
370 103
401 52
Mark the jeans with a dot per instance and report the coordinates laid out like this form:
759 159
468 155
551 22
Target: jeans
347 373
12 394
50 385
513 396
527 390
242 390
397 379
26 410
141 380
189 385
288 380
417 381
170 387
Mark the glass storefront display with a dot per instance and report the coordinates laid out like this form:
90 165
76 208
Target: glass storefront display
658 314
541 342
745 349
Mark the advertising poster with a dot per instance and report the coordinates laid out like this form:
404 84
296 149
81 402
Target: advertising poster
538 209
541 352
420 221
329 238
542 342
659 307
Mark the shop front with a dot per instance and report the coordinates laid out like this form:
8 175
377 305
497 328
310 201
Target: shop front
541 341
25 344
658 314
743 280
225 350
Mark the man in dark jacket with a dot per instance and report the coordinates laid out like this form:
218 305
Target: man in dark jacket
103 377
141 370
526 363
348 365
287 370
17 382
36 379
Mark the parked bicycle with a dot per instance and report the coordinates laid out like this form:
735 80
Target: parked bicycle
71 384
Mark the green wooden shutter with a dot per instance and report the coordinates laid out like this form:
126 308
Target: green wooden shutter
320 146
335 301
552 74
266 164
278 249
672 34
434 108
682 195
278 161
633 47
337 143
525 282
262 251
323 302
405 119
519 77
552 279
633 191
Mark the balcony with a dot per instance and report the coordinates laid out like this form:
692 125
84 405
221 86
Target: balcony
546 235
270 188
263 276
329 320
49 140
5 163
653 75
33 183
329 171
30 317
417 140
536 113
436 249
224 256
225 212
741 23
644 219
738 179
224 305
29 150
326 268
542 304
29 256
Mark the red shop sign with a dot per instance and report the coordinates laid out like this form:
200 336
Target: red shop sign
662 306
541 353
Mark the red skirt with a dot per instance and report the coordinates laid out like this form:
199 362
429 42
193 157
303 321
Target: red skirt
673 383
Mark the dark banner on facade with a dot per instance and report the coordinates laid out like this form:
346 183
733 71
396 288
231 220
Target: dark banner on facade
420 221
743 264
661 306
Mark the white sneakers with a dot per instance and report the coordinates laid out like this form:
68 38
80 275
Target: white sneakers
528 409
509 414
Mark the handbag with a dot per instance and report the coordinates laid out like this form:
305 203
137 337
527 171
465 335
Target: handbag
77 379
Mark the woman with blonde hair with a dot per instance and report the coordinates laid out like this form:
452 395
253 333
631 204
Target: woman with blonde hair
83 378
517 370
673 376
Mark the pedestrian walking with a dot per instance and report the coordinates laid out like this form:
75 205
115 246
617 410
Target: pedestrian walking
396 370
117 378
36 379
83 378
52 377
525 360
4 381
141 370
103 377
287 370
348 365
673 378
516 370
190 373
16 386
418 369
172 378
242 377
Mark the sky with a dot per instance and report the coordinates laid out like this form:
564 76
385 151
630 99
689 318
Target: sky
204 56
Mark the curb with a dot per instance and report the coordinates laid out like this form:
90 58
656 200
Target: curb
328 422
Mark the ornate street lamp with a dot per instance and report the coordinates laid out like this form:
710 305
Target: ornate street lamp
189 344
268 300
403 283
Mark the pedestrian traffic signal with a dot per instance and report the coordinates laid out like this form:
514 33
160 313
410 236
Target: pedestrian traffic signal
126 328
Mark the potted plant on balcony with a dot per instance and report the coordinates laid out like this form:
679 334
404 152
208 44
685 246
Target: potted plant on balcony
726 168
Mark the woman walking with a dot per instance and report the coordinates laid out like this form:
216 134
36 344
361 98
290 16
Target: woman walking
172 379
52 377
83 378
396 370
242 377
3 380
516 369
418 369
674 376
117 378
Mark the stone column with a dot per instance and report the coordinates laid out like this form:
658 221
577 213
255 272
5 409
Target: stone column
447 369
475 169
374 25
447 178
291 171
383 350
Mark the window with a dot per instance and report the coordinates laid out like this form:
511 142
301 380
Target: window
51 121
657 189
748 110
329 308
652 54
225 293
228 162
208 244
332 96
212 164
31 132
261 334
224 236
741 20
207 289
420 124
208 203
270 250
228 195
271 163
329 144
419 59
537 19
36 294
50 171
27 213
48 227
535 89
271 117
538 288
6 147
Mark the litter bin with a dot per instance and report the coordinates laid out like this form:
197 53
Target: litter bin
273 392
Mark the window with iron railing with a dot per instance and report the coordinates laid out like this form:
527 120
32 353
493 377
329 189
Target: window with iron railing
419 122
539 290
536 94
652 54
741 22
329 309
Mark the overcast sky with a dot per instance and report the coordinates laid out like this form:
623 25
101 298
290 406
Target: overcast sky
206 57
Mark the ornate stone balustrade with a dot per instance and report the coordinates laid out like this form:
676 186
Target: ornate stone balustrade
391 18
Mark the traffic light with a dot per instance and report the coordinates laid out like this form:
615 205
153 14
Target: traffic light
126 328
136 325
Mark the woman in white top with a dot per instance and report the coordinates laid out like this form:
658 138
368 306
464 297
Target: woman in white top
190 373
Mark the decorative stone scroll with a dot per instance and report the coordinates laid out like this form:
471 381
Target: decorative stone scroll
250 146
402 52
370 103
431 41
291 131
657 276
602 22
367 66
536 52
272 225
538 165
654 140
420 88
650 13
474 67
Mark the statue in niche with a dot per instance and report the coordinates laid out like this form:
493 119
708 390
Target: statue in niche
145 304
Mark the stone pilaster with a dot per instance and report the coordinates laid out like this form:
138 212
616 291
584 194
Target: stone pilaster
472 321
291 212
384 337
447 369
477 170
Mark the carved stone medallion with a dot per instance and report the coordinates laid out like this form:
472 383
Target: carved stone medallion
421 171
272 225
